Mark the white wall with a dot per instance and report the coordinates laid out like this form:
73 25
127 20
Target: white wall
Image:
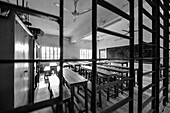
71 50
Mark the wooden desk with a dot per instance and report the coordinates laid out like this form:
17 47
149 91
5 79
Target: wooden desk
116 66
121 71
122 67
73 79
85 63
120 62
113 69
75 65
106 74
100 71
67 65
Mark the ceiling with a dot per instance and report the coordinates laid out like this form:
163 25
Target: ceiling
82 26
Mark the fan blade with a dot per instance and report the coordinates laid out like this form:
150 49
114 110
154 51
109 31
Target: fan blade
85 11
128 31
126 34
59 6
125 30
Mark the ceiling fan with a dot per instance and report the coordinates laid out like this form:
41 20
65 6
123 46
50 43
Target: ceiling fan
75 13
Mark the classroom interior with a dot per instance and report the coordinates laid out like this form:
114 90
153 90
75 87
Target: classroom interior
84 56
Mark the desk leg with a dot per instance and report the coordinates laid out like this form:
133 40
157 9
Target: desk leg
86 74
72 99
127 82
116 90
108 92
121 87
86 100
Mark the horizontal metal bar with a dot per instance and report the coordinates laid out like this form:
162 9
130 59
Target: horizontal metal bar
117 105
161 99
147 87
147 102
149 44
29 11
112 33
68 60
151 111
162 57
162 78
35 106
136 58
24 60
163 27
163 17
114 9
162 47
164 38
116 59
162 6
148 72
27 60
151 3
162 88
148 29
108 85
147 14
162 68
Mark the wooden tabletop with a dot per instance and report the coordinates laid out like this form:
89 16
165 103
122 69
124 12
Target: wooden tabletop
73 78
84 63
113 69
99 71
116 66
74 63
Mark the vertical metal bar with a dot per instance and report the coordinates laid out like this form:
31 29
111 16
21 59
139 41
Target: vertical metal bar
140 72
94 55
32 44
153 60
132 73
61 53
168 17
165 55
157 53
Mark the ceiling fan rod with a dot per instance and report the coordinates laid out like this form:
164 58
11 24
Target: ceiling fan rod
75 4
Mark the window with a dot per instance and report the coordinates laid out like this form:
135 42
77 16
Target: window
43 52
85 53
50 52
102 53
